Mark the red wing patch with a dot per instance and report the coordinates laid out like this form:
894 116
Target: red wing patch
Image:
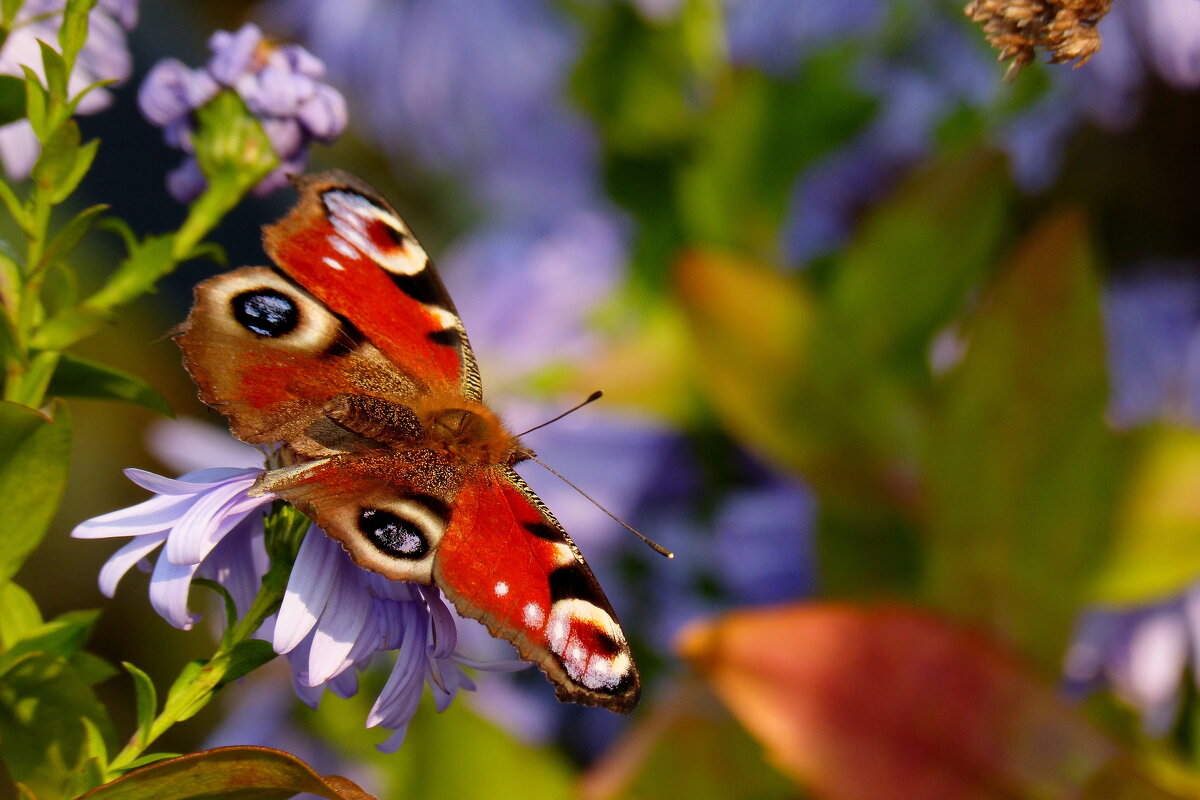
506 561
344 244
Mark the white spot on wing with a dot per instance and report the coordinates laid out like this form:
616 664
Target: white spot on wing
501 589
534 615
332 263
351 213
568 618
343 247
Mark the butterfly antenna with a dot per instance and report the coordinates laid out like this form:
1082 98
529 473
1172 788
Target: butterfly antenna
591 398
655 546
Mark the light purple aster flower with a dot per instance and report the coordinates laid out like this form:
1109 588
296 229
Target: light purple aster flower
281 85
104 57
335 618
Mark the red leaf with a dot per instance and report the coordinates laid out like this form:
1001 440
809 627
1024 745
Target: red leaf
896 703
261 773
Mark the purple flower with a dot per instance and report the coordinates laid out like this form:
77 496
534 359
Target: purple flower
1152 321
1141 654
280 84
467 88
104 57
335 618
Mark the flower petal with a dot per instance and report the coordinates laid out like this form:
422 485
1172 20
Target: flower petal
119 562
308 590
339 626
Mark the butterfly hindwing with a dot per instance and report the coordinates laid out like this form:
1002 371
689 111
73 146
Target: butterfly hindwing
505 560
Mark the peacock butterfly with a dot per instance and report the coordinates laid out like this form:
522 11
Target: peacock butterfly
350 352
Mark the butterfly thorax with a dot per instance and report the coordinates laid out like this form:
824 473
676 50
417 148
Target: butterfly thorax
461 431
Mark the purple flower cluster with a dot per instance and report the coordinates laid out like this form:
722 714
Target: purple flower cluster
280 84
104 57
335 617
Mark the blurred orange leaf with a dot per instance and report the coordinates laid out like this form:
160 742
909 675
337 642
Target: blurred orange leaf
898 703
228 772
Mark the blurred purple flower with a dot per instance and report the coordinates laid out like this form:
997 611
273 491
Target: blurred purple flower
104 57
941 69
1141 654
280 84
776 35
467 88
1152 321
334 615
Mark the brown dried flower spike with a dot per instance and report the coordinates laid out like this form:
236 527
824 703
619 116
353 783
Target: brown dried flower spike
1066 28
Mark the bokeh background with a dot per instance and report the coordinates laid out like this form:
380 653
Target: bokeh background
900 355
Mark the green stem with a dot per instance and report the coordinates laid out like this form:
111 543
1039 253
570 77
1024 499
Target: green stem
188 697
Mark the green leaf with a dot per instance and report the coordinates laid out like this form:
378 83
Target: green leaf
35 102
191 672
150 260
63 637
233 773
12 99
14 207
34 452
1153 550
147 700
74 30
69 236
44 742
79 377
56 73
1023 466
9 9
57 161
246 657
83 162
19 615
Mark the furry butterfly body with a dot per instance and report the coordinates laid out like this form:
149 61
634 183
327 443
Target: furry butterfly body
350 352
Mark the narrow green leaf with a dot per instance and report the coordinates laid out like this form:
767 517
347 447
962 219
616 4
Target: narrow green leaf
147 700
92 669
59 155
183 685
73 232
96 748
83 162
34 452
56 73
19 615
234 773
79 377
246 657
35 102
60 288
14 207
84 92
62 637
74 30
1022 463
9 9
12 99
150 260
30 389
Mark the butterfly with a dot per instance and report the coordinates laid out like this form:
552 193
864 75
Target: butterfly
350 352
